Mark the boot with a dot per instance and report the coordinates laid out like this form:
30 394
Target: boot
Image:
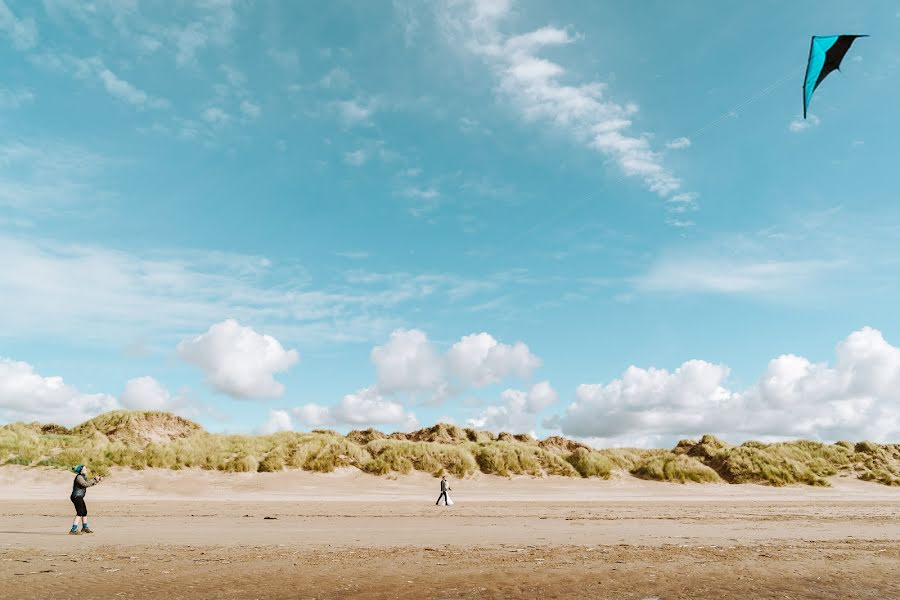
86 530
73 532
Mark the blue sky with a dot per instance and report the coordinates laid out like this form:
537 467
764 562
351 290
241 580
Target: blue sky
608 221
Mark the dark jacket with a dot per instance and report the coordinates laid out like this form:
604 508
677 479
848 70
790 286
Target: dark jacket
80 486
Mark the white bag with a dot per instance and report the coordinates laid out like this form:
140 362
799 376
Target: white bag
449 501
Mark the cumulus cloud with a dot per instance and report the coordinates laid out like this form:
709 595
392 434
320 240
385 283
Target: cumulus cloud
481 360
856 398
518 411
362 408
534 88
238 361
28 396
146 393
279 420
410 362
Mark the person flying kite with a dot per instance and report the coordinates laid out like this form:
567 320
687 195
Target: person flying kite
825 55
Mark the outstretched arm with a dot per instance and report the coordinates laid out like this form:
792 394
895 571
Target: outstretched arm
85 482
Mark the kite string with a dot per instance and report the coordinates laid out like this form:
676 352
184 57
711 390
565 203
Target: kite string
746 102
696 133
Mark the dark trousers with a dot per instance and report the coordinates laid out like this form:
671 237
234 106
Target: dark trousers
444 496
80 508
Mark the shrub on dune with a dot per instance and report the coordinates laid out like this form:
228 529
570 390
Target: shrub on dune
404 456
766 465
273 461
590 463
324 452
508 458
671 467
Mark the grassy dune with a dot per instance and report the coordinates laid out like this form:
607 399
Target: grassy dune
142 439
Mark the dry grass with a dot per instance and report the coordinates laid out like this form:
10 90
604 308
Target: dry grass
146 439
675 467
403 456
591 463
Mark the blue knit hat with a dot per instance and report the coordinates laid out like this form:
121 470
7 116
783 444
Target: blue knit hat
78 468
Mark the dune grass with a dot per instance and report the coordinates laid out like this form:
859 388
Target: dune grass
147 439
591 463
402 456
675 467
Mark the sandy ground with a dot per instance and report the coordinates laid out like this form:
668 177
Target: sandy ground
348 535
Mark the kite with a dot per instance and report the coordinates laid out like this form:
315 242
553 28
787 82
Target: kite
825 55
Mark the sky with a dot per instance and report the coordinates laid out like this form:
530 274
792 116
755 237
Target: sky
602 220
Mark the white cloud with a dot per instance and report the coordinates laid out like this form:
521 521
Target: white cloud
481 360
356 158
421 193
216 116
356 111
857 398
731 276
250 110
408 362
279 420
26 395
238 361
363 408
426 199
798 125
518 412
684 202
353 254
96 70
146 393
212 27
121 89
408 13
338 78
15 98
21 32
47 176
679 143
680 223
468 126
162 296
533 86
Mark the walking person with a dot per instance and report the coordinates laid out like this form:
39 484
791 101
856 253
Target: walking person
79 489
445 487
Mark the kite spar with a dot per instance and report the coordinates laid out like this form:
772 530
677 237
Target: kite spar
825 55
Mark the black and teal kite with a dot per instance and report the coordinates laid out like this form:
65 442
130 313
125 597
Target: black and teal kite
825 55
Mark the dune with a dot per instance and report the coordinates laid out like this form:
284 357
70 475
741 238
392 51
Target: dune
148 439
